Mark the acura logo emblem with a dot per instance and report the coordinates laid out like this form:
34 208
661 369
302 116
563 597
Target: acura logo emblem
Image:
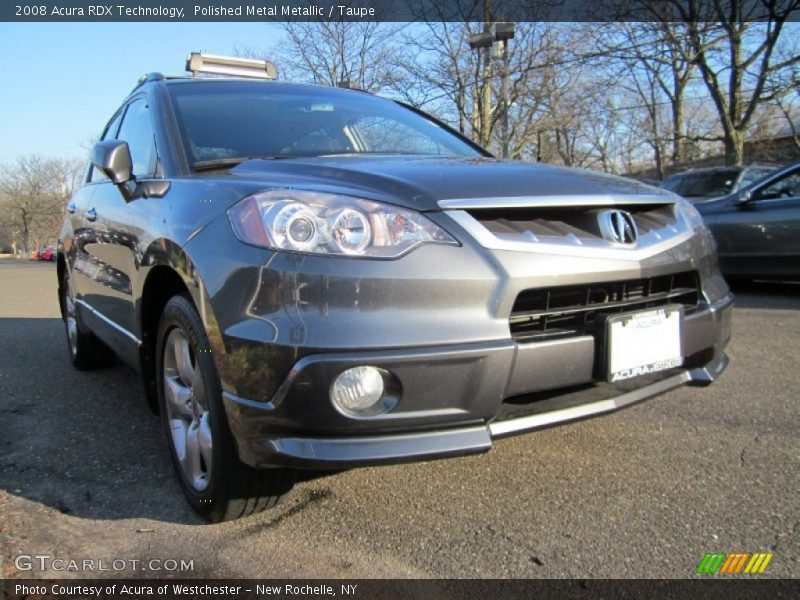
618 226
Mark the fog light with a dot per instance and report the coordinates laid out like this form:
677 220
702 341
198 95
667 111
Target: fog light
358 389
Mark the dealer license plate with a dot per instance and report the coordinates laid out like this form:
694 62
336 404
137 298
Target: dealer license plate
644 342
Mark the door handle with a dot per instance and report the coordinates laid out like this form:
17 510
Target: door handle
71 208
91 214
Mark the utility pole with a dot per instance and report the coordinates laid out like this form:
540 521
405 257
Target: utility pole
502 33
506 94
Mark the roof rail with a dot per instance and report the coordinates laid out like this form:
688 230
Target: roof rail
199 62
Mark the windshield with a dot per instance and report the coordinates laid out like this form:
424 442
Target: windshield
711 183
228 120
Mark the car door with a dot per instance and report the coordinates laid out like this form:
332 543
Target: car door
81 214
118 223
762 235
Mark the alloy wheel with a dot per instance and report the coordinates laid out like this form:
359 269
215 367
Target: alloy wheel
187 410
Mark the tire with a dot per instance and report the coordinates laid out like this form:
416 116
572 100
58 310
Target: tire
215 482
86 351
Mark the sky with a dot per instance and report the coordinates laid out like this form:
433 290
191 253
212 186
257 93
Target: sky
63 81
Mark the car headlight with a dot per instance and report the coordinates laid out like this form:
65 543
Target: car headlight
322 223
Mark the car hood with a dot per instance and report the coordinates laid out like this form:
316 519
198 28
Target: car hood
421 182
715 204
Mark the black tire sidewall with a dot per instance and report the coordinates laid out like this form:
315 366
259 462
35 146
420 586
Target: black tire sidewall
180 313
90 353
65 287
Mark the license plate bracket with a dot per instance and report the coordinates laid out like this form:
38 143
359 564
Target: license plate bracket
643 342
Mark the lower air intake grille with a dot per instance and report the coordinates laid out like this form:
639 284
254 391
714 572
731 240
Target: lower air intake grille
567 311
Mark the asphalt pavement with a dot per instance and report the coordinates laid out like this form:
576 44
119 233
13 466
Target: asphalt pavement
645 492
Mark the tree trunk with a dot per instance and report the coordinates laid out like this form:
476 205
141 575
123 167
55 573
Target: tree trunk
462 112
657 148
679 139
25 232
486 84
486 99
734 147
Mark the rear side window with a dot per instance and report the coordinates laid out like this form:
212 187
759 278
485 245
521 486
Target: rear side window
785 187
137 130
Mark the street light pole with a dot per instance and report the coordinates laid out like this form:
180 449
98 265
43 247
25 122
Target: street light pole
506 95
502 33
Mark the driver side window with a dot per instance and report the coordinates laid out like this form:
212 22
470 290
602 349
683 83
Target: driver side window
137 130
785 187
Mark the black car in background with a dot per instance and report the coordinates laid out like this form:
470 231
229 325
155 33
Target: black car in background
701 185
757 229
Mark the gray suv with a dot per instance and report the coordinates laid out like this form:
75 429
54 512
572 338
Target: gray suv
317 278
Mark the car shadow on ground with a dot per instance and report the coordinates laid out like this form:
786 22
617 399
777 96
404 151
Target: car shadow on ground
83 443
777 295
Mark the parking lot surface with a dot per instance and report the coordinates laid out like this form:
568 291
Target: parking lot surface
646 492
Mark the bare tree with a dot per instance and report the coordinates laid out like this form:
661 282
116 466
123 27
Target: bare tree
33 192
330 52
607 97
789 108
744 63
442 71
647 63
447 78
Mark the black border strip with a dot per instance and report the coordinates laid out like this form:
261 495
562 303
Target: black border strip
396 10
712 587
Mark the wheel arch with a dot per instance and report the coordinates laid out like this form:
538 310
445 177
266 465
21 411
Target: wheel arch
169 272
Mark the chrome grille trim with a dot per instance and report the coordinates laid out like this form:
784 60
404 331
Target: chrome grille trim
555 201
655 241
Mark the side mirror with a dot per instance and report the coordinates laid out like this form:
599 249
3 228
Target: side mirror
744 197
113 158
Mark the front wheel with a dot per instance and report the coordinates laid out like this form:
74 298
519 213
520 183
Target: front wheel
216 483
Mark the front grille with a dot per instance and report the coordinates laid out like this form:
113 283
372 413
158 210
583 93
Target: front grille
548 224
566 311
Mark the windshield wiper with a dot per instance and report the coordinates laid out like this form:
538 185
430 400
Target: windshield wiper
230 162
219 163
381 153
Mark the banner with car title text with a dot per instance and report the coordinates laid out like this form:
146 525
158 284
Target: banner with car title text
390 10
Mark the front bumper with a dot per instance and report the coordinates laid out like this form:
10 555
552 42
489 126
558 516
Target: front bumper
458 398
345 452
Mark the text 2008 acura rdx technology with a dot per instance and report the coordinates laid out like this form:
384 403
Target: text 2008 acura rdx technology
313 277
